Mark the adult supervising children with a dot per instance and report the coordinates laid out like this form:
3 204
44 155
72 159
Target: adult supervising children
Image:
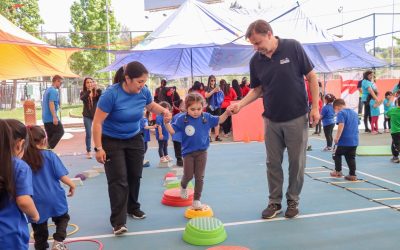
277 71
119 143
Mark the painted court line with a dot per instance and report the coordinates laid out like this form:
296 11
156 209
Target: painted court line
168 230
366 174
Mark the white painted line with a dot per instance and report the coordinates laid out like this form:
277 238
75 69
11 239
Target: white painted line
372 189
316 172
168 230
386 199
366 174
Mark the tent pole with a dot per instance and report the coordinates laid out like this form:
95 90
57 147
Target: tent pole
191 64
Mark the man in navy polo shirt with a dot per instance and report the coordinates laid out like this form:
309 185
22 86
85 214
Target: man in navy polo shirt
277 73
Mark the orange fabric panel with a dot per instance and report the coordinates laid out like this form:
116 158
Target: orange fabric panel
334 87
384 85
248 124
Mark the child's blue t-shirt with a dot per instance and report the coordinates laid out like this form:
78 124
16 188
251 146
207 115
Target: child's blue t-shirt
374 111
51 94
49 197
350 120
195 131
328 115
124 111
146 132
178 134
386 108
160 122
364 86
14 233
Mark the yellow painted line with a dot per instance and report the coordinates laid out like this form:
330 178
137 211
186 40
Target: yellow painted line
316 172
372 189
328 177
386 199
345 182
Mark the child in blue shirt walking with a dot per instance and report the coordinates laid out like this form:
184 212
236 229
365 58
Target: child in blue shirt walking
162 135
388 103
49 196
328 120
195 127
346 139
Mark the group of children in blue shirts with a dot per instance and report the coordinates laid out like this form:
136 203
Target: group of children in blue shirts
29 184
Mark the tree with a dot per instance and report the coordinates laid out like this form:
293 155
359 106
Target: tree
24 14
88 18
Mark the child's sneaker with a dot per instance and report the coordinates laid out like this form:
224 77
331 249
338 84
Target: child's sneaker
197 205
327 149
395 159
184 193
58 245
168 158
350 177
163 160
336 174
374 132
387 130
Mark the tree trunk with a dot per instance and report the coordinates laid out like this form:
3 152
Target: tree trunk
14 95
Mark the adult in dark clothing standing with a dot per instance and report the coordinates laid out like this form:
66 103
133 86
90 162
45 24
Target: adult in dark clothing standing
89 95
50 106
277 71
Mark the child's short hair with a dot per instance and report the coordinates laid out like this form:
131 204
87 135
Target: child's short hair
165 105
192 98
329 98
338 102
388 93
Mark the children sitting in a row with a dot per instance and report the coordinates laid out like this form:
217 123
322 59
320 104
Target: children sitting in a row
37 176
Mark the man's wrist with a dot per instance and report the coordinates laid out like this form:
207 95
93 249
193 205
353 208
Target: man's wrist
97 149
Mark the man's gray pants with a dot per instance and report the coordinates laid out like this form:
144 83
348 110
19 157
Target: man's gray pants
292 135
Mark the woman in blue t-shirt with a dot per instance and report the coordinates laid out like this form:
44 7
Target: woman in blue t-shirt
119 143
15 190
49 196
368 88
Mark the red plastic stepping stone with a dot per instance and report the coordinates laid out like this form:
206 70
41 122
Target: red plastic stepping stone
228 248
169 174
172 197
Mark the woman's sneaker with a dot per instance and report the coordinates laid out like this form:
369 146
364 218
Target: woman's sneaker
184 193
137 214
119 230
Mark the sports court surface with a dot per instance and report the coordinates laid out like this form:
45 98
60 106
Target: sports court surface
331 216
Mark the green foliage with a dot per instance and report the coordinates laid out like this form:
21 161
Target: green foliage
23 13
90 16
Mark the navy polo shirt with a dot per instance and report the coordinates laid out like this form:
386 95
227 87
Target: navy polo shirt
282 80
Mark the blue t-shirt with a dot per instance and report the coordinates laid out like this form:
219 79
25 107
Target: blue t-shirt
146 132
14 232
364 86
195 131
160 122
49 196
178 134
124 111
328 115
374 111
386 108
50 95
350 120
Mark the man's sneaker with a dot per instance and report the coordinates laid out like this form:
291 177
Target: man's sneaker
58 245
197 205
184 193
395 159
336 174
350 177
119 230
138 214
271 211
292 211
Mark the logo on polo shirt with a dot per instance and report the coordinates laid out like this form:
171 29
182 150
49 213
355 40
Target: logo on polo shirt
284 61
189 130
